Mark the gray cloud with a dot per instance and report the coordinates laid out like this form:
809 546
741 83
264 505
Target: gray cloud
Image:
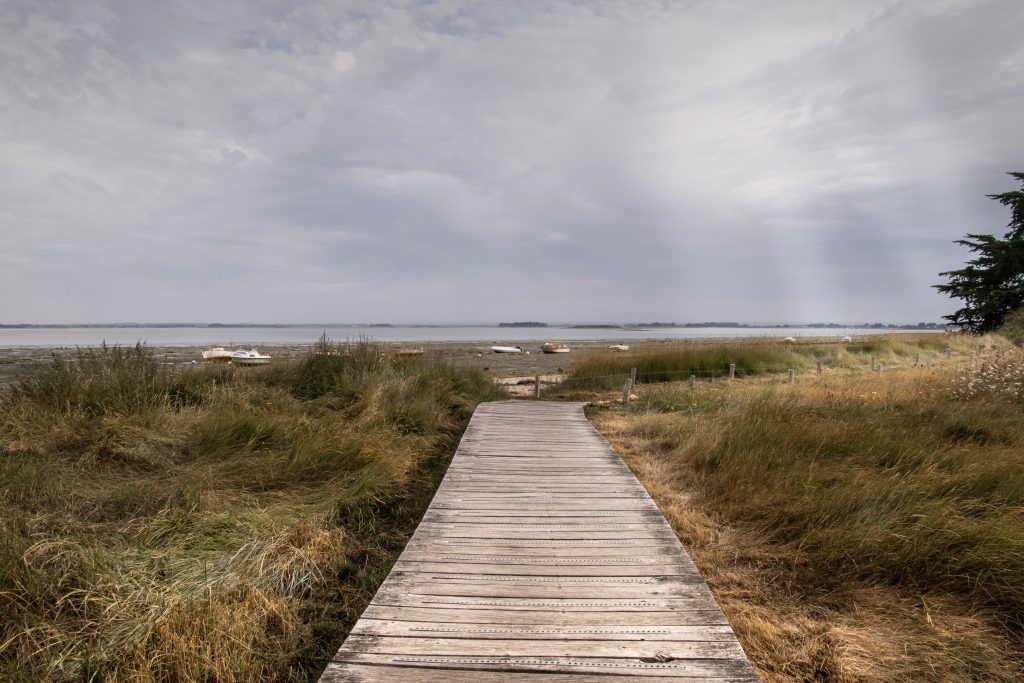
480 161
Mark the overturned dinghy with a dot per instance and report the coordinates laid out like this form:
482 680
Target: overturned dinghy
552 347
507 349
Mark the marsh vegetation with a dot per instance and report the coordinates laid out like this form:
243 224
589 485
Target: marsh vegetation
854 526
224 524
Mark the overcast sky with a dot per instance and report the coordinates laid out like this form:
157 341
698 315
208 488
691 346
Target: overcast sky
485 161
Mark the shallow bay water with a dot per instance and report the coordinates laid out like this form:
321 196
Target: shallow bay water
24 348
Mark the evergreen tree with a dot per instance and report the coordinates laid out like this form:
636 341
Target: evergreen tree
991 285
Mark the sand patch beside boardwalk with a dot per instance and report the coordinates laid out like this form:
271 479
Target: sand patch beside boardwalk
524 386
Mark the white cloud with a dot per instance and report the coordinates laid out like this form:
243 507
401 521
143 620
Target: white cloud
343 62
729 157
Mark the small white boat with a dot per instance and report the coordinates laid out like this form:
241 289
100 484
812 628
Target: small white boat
250 357
790 340
619 347
552 347
846 339
217 354
507 349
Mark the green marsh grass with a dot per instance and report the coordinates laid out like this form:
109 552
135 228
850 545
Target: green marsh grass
603 369
595 370
222 523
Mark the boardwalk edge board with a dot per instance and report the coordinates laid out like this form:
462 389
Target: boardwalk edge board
540 558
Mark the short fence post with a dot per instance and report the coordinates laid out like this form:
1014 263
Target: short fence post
536 386
949 353
872 362
819 367
917 358
929 361
790 372
625 392
732 371
693 381
878 369
632 376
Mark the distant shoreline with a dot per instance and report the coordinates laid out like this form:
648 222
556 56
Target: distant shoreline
575 326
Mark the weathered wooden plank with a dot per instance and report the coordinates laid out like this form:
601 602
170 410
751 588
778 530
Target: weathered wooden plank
677 569
684 587
444 615
368 673
422 549
371 627
541 558
695 668
489 647
399 598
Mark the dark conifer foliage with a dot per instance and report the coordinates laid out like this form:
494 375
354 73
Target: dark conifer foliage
992 284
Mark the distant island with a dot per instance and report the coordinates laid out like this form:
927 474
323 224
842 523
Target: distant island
523 324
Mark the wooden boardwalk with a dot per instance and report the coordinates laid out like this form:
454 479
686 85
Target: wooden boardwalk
541 558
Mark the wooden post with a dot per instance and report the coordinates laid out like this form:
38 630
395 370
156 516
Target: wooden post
917 358
929 361
878 369
732 371
819 367
693 381
632 376
625 392
536 386
790 372
872 362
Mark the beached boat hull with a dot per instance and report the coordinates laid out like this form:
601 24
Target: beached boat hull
217 355
250 361
251 357
506 349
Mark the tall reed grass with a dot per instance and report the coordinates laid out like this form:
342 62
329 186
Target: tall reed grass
224 524
672 362
602 369
863 497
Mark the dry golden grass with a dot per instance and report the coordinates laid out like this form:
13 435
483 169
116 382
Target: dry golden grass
222 524
854 527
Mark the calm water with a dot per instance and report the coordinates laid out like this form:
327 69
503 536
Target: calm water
238 336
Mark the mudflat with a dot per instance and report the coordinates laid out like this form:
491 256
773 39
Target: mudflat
17 361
